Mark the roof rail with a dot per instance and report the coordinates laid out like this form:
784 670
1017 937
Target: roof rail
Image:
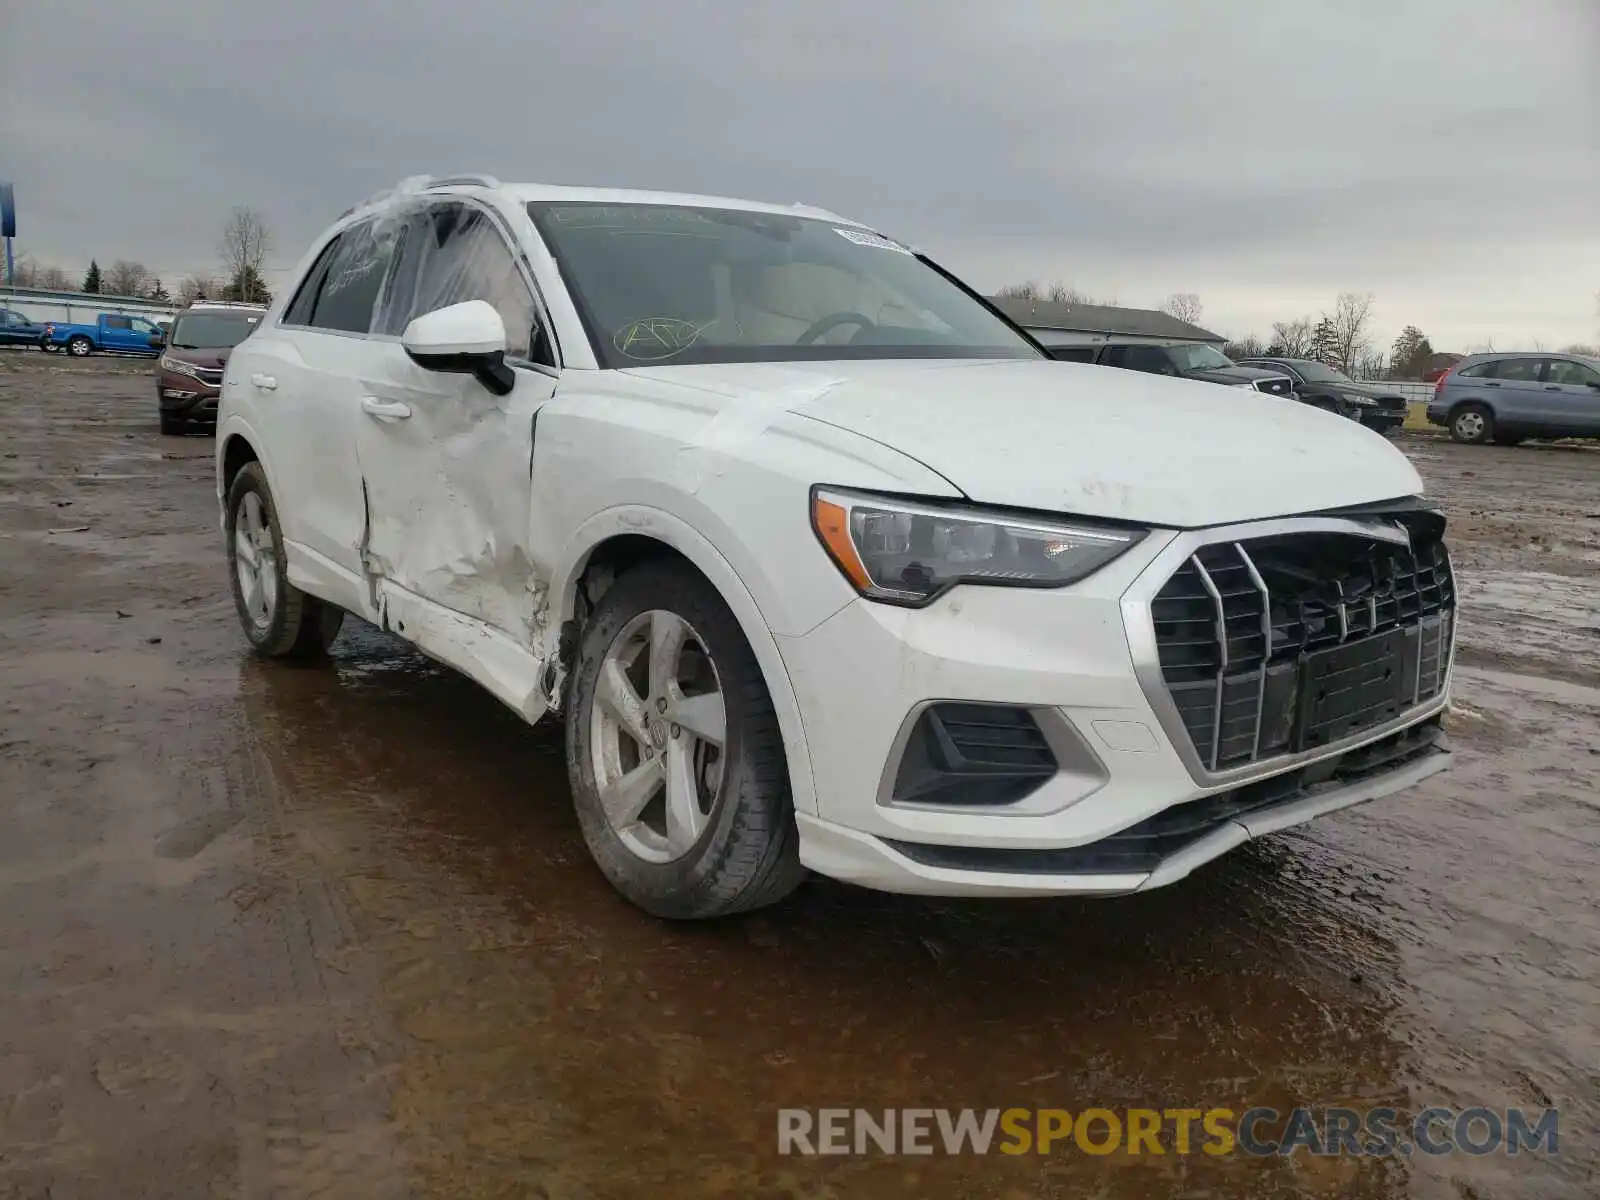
433 181
439 181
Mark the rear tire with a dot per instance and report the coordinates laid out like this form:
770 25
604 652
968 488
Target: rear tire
278 618
659 638
80 347
1472 423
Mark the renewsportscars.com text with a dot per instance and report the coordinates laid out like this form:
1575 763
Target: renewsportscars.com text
1375 1132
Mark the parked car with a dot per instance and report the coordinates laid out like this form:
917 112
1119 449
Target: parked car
823 562
1505 398
17 330
1183 360
111 333
1376 407
193 355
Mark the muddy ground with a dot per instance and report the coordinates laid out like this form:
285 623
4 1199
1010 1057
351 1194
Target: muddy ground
270 931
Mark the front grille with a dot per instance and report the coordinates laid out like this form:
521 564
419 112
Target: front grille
1141 848
973 754
209 375
1281 644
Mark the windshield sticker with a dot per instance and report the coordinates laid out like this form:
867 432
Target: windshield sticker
652 339
876 240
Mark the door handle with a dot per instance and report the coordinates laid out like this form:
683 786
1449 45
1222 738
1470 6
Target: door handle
265 382
1552 387
384 410
1491 383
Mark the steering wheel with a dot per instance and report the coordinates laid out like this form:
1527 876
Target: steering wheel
831 322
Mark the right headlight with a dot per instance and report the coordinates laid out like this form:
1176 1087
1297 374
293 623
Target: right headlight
908 552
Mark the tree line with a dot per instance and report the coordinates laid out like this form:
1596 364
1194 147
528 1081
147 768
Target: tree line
1340 337
242 251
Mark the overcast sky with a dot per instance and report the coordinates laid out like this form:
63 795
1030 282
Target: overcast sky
1266 154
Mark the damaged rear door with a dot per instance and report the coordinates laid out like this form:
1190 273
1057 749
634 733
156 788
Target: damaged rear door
445 463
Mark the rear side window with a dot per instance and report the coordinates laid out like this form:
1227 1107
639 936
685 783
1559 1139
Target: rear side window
341 289
1140 358
299 310
1523 370
1072 353
349 291
118 323
1476 371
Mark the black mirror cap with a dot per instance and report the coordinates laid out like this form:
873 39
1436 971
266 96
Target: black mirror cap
489 369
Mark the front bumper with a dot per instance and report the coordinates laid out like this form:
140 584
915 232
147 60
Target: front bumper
1079 660
186 397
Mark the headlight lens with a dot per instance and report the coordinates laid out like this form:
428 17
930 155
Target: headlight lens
176 365
903 552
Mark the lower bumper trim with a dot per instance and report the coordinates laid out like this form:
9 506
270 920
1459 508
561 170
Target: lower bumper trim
1154 853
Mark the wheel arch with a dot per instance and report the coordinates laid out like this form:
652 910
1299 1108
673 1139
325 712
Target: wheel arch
621 538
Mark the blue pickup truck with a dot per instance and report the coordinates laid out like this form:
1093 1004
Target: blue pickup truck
17 330
112 333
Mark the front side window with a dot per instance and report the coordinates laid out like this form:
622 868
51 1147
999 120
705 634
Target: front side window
1565 371
1314 372
663 284
212 330
453 253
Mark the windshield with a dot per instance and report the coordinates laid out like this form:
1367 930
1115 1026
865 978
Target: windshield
659 283
1315 372
212 330
1198 358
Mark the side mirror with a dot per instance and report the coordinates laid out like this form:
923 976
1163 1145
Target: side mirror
158 341
465 339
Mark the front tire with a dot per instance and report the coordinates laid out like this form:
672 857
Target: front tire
1472 424
278 618
170 425
676 761
80 347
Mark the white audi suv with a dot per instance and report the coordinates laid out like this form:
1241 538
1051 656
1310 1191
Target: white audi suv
823 563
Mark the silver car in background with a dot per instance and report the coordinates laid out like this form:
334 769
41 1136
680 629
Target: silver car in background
1507 397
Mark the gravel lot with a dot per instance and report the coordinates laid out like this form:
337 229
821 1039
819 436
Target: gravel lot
271 931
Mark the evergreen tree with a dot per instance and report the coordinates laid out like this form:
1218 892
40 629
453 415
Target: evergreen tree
159 293
247 287
1325 344
91 281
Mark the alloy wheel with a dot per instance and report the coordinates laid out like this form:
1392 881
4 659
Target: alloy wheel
658 736
255 559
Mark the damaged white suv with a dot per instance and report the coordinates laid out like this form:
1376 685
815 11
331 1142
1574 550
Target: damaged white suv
823 562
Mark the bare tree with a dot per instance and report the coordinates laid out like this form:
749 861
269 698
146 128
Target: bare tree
1185 306
1351 317
1249 346
1060 293
1026 290
198 287
1056 293
244 247
54 278
1294 339
125 278
1583 348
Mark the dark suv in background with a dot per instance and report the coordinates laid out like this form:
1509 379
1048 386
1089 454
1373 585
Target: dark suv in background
1375 406
194 353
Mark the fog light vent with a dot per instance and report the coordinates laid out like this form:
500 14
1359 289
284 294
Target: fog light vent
972 755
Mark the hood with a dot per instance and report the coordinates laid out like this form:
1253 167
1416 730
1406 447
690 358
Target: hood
1078 439
1281 384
